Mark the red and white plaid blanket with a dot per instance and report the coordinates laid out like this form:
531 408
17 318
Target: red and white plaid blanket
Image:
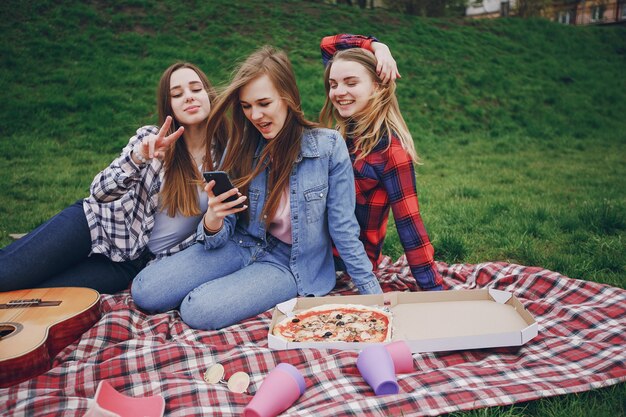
580 346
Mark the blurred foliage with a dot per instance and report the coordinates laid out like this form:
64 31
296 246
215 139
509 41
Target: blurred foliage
429 8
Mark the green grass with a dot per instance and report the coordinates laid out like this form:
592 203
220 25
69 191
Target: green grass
516 199
520 123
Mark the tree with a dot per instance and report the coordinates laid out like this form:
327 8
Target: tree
531 8
429 8
363 4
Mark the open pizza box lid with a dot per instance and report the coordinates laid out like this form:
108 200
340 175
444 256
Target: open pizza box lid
430 321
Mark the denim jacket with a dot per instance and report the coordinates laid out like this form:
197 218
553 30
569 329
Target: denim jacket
322 201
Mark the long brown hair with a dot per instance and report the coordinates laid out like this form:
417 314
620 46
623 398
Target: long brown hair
179 193
381 117
282 150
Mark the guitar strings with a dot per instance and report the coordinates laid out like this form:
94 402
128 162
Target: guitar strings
19 310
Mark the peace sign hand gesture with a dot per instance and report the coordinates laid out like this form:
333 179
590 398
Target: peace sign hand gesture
154 146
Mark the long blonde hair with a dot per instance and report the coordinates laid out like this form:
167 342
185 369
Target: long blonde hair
282 150
380 118
179 193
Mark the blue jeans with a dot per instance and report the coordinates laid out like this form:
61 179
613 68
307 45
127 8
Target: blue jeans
218 287
56 254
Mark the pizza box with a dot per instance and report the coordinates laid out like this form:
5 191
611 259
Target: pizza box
430 321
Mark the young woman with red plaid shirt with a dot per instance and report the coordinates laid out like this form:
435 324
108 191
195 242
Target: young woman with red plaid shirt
361 101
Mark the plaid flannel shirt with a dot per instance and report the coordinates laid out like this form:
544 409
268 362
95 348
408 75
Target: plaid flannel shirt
123 203
386 179
331 44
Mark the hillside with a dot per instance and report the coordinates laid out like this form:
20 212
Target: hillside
533 78
520 124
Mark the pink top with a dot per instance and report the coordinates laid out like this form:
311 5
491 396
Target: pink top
280 226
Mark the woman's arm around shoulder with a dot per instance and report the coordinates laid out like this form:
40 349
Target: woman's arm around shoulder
386 66
331 44
123 173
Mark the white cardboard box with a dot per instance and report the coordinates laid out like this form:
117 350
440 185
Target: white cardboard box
431 321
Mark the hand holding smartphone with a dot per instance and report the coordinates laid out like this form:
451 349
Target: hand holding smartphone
222 184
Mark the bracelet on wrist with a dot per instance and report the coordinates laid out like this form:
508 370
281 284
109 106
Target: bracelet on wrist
211 231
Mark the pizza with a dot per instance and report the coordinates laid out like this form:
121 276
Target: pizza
336 323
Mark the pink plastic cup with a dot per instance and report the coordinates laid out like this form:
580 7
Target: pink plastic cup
376 367
401 356
279 390
110 402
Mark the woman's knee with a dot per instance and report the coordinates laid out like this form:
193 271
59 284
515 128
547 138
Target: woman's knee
198 315
146 294
206 313
138 291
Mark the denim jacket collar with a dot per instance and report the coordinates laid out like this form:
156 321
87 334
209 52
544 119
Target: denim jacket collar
308 148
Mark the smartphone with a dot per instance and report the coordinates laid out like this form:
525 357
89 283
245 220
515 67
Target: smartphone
222 184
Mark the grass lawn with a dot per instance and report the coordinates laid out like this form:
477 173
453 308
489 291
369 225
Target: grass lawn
520 123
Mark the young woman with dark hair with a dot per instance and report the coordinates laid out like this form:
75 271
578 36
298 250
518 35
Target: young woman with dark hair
146 204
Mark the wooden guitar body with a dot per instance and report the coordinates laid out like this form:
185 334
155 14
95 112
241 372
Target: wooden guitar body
36 324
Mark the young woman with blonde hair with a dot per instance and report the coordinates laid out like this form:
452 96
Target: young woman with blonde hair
296 181
146 204
365 111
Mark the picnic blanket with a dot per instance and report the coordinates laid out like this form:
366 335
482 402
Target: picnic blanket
580 346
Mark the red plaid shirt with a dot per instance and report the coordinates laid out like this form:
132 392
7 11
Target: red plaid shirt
331 44
386 179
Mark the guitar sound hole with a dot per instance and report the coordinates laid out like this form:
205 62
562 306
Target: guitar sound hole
6 330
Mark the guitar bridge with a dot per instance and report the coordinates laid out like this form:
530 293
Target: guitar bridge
33 302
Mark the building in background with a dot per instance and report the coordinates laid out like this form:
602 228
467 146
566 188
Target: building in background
568 12
572 12
489 8
588 12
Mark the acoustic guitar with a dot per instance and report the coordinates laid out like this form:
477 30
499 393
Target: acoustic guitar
37 324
